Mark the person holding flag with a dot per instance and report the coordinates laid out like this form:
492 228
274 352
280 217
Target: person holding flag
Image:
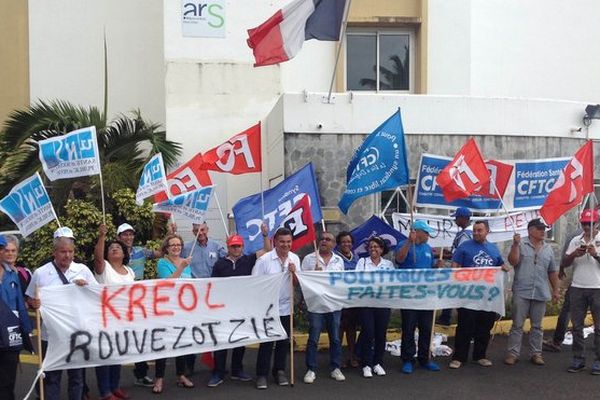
324 260
205 252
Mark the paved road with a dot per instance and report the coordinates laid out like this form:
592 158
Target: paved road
523 381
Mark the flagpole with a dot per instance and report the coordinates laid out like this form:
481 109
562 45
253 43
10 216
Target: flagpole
317 268
339 48
194 244
292 329
412 219
102 197
221 212
390 202
512 221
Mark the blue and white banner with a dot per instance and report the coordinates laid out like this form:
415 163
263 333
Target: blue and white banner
28 205
72 155
378 164
374 226
528 185
191 205
153 179
279 201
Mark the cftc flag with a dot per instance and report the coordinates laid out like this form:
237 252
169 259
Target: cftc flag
378 164
191 205
72 155
153 179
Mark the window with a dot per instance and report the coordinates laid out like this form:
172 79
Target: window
379 60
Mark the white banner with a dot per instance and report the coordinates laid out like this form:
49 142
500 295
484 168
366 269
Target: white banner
501 226
118 324
153 179
416 289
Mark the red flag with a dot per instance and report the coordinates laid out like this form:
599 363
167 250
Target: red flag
575 180
500 174
239 155
299 220
465 174
188 177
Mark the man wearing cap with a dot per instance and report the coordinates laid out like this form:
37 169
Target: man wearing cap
535 271
206 252
324 260
61 270
235 263
137 262
583 256
416 253
475 324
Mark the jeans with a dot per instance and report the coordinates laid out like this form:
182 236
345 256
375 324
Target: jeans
237 357
521 309
161 364
411 319
8 374
53 378
476 325
316 322
374 322
265 350
563 319
140 370
581 300
108 377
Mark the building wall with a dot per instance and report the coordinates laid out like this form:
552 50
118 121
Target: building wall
14 57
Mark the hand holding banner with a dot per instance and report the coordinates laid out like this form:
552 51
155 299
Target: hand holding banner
153 179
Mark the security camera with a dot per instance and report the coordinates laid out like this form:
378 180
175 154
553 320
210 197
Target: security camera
575 129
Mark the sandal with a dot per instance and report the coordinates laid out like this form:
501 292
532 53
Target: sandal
184 382
158 386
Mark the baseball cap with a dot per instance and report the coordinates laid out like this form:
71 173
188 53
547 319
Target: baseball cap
537 222
235 240
124 228
589 215
2 241
462 212
420 225
64 231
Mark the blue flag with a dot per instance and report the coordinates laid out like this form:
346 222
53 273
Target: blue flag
374 226
153 179
278 203
378 164
191 205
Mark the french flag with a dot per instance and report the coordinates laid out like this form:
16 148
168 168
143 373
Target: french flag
280 38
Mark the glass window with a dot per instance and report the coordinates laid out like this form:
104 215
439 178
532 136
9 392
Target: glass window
361 73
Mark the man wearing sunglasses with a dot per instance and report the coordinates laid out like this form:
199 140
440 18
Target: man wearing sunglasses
583 256
535 270
324 260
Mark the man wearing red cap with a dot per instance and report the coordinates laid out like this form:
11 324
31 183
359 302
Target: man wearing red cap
583 255
235 263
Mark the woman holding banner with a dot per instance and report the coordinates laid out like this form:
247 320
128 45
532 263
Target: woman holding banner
110 266
374 321
172 265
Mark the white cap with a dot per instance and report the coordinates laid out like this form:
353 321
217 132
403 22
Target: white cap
124 228
64 231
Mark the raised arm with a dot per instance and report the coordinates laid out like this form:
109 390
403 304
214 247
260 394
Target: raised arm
266 241
99 250
403 251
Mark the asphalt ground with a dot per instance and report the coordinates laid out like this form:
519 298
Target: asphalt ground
522 381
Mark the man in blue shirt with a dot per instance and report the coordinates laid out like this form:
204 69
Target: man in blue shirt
475 324
415 253
205 253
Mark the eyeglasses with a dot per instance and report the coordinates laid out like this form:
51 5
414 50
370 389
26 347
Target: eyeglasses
175 245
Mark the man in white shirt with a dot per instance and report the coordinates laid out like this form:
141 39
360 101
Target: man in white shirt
325 260
583 254
61 270
277 261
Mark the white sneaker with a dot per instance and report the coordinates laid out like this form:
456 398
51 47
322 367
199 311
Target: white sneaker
367 372
379 371
310 376
337 375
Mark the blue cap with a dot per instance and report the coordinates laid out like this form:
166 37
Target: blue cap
2 241
462 212
420 225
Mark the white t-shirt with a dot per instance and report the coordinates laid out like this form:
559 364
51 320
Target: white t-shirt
586 270
269 263
366 264
109 275
336 263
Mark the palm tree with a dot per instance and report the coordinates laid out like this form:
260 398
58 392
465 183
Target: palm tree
125 144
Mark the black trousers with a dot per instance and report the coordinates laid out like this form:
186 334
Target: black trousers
161 364
265 350
140 370
237 358
474 325
8 374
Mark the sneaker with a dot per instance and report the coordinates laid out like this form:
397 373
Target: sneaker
145 381
378 370
577 365
537 359
337 375
431 366
484 362
511 359
214 381
241 376
261 382
454 364
550 345
281 379
407 367
367 373
121 394
596 368
310 376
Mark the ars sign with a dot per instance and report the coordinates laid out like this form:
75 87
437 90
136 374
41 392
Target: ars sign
203 18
